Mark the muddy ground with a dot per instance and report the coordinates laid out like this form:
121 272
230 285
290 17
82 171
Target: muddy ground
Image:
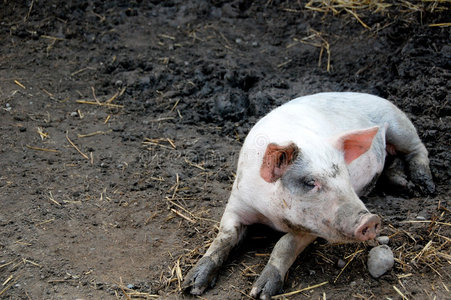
158 97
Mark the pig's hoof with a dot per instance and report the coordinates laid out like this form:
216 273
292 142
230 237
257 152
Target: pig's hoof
268 284
421 176
200 277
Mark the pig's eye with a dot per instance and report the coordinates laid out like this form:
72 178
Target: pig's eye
309 184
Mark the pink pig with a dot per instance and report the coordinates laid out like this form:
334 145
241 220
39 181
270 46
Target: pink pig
301 170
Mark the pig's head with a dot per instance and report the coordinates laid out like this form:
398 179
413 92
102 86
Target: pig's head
314 186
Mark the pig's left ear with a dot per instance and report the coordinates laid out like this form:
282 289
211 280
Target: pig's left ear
276 161
355 143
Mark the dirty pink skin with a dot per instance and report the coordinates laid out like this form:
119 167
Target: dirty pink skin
301 171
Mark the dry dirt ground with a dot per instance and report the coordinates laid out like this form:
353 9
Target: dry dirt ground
121 123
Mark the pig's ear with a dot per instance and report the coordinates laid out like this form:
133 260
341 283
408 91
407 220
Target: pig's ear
276 161
355 143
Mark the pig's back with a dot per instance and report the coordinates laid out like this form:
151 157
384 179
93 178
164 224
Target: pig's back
346 110
324 114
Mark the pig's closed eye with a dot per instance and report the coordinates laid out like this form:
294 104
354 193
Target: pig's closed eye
309 184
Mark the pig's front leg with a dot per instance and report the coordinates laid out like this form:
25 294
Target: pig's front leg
270 281
204 273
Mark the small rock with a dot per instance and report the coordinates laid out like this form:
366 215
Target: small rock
421 218
130 286
74 114
380 260
341 263
383 240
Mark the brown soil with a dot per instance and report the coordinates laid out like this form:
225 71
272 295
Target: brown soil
187 80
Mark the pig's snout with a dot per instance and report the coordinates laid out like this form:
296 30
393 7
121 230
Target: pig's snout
368 227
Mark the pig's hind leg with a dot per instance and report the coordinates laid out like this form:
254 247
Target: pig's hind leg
402 138
395 177
270 281
203 274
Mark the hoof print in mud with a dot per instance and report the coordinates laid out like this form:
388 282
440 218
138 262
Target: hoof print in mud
268 284
202 276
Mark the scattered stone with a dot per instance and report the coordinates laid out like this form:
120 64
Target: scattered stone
383 240
380 260
74 114
341 263
421 218
130 286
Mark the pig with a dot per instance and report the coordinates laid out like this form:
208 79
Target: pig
301 171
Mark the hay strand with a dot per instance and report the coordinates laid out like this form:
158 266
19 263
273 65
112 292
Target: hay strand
41 149
51 198
75 146
299 291
100 103
19 84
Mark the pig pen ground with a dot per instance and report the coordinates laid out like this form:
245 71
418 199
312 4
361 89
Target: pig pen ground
121 123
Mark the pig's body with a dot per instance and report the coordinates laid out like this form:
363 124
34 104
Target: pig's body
300 171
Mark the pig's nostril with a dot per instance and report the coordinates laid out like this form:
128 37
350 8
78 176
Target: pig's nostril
364 230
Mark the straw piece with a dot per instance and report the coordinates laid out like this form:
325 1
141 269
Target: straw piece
400 293
10 285
93 133
53 199
81 70
76 148
19 84
99 103
299 291
182 215
349 261
41 149
54 38
440 25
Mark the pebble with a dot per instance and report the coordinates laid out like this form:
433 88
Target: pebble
74 114
421 218
380 260
130 286
341 263
383 240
